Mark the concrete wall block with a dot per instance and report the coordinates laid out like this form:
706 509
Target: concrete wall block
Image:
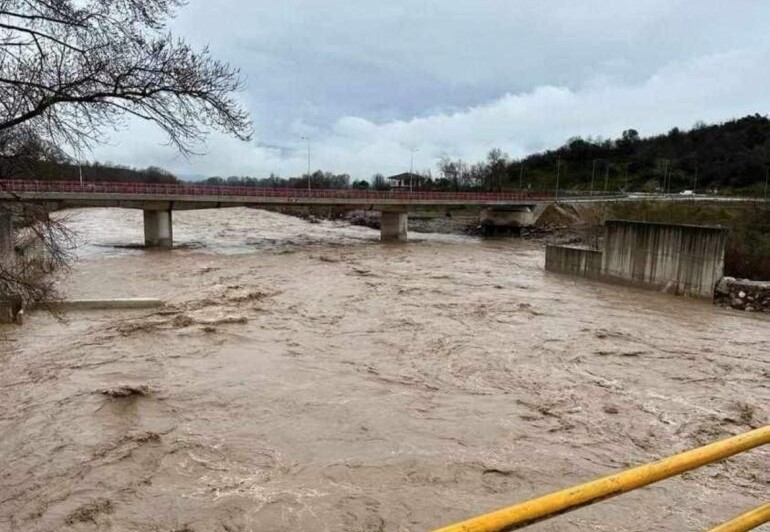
570 260
681 259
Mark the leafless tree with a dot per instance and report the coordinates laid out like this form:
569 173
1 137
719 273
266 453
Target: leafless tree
71 68
68 68
45 244
46 248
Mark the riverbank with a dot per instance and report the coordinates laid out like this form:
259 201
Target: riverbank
305 377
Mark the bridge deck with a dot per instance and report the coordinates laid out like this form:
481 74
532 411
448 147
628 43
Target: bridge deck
201 196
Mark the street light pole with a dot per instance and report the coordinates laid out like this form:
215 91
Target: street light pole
558 174
411 170
767 175
593 175
308 161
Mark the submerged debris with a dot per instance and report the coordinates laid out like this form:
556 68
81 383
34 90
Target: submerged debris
127 390
88 512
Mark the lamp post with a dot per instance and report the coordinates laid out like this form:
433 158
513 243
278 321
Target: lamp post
411 170
695 185
627 165
666 176
308 161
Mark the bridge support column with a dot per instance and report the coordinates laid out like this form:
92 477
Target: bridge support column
158 230
9 307
6 236
393 226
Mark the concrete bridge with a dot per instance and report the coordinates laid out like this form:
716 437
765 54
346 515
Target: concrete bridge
158 201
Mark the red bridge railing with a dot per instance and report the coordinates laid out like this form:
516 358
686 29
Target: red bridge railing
163 189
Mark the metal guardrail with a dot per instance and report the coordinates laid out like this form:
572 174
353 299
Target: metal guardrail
547 506
164 189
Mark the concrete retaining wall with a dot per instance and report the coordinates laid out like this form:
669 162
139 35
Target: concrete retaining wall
573 261
680 259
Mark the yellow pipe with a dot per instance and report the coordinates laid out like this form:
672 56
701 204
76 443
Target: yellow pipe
528 512
748 521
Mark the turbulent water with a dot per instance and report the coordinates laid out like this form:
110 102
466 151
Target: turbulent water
305 377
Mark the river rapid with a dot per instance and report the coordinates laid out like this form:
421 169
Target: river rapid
305 377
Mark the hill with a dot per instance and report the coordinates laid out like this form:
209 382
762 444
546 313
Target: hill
732 156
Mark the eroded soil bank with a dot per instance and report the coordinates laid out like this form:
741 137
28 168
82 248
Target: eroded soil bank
305 377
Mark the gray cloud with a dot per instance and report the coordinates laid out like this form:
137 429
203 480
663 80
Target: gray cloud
368 81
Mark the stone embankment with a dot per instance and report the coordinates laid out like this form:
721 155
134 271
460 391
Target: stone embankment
743 294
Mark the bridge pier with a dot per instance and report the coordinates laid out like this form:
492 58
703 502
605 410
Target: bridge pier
158 229
393 226
6 236
509 219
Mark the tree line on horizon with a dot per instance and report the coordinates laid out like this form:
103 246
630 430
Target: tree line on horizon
734 155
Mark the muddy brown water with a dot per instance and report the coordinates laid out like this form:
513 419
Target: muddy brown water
306 377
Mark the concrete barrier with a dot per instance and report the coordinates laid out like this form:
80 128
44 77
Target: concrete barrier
680 259
104 304
573 261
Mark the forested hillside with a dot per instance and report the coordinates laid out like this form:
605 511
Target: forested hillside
731 156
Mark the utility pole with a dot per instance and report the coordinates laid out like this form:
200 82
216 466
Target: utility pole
695 185
558 174
521 177
627 165
665 175
593 175
606 176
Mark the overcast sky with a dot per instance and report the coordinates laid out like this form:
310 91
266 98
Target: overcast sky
367 81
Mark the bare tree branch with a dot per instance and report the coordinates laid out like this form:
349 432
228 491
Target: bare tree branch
112 54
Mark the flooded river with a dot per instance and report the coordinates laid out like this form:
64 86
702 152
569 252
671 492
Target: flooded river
305 377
